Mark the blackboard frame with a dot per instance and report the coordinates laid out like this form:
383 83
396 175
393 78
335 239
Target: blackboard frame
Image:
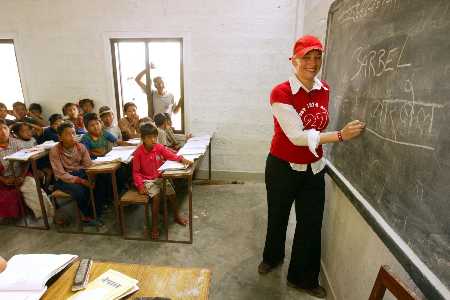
423 277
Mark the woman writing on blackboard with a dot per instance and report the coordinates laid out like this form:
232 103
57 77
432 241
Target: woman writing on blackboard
295 167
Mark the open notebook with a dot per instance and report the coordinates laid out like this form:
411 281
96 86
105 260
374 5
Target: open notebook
123 154
26 275
24 154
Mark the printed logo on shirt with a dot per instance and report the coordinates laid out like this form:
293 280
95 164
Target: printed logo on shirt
314 116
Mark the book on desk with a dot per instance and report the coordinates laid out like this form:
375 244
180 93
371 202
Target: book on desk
26 275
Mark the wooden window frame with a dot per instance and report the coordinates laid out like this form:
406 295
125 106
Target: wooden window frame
116 70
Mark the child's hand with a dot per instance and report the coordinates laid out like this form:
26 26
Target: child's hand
186 162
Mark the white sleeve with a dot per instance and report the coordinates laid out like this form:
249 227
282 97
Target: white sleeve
292 126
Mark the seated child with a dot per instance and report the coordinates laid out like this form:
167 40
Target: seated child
86 105
148 157
107 116
129 125
17 175
69 159
161 125
71 111
97 141
51 132
3 113
35 113
171 139
20 112
24 134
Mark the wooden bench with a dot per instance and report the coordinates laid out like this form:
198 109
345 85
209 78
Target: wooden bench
132 197
58 194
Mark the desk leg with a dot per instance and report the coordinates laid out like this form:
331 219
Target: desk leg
164 201
191 236
92 198
116 201
209 161
39 192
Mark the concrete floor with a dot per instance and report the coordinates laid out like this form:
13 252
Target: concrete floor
229 231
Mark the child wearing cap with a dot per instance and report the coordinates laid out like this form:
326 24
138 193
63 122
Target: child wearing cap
107 116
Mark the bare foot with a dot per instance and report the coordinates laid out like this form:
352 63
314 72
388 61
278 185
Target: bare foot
180 220
155 234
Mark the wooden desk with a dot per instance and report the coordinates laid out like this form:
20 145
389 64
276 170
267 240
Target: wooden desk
33 159
189 175
174 283
186 174
108 168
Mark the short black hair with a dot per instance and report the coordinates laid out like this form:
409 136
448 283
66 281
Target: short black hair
88 117
55 117
159 119
3 105
18 103
15 128
67 105
64 125
35 106
148 129
127 105
86 101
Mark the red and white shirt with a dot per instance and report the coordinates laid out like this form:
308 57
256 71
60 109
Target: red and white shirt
146 163
299 117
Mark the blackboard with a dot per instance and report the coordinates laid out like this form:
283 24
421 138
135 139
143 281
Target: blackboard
388 64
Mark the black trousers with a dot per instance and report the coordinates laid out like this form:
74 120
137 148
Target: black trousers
285 186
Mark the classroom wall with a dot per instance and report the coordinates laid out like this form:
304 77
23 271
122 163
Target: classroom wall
352 253
235 51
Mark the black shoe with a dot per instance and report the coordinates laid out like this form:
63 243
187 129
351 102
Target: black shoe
265 268
318 292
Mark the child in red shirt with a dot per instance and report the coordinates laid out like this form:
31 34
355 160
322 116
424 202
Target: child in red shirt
148 157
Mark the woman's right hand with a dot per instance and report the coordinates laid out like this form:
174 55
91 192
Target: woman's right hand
352 129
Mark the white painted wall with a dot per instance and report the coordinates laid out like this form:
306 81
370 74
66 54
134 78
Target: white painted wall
352 253
235 51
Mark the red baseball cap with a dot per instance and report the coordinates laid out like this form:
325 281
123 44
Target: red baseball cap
305 44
